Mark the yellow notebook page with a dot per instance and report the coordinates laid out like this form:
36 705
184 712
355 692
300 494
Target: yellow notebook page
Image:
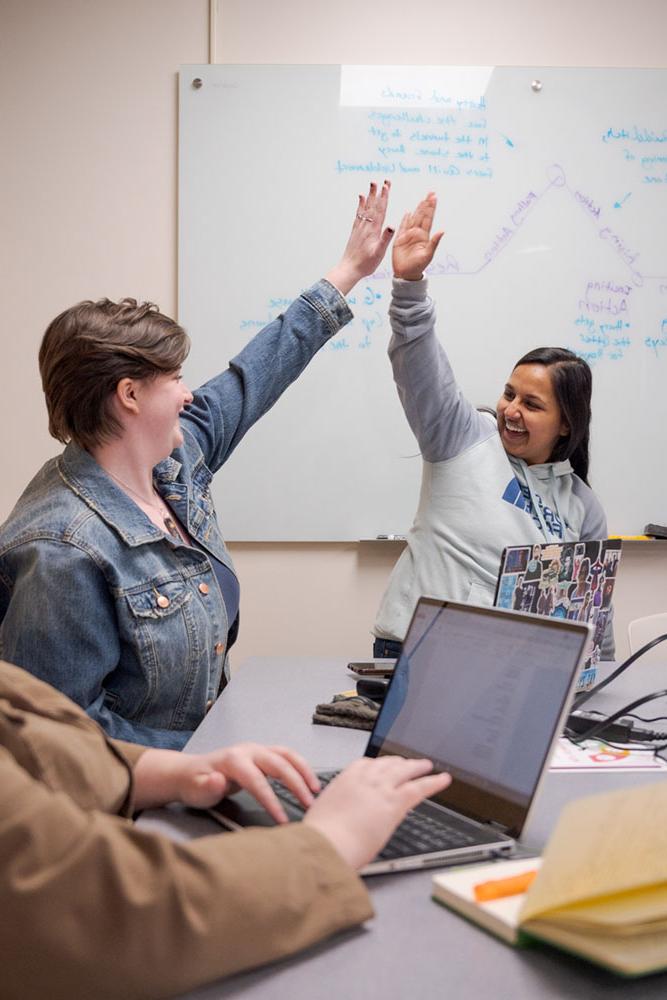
602 846
628 913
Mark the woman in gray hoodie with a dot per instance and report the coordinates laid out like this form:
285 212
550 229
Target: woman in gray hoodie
517 478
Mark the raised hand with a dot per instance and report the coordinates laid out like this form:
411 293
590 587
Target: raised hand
368 241
414 246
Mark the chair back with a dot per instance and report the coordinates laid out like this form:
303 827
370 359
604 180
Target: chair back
642 630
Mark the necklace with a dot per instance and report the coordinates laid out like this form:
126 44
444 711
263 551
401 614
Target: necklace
166 515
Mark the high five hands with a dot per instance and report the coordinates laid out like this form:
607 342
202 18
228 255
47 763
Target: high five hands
368 241
414 246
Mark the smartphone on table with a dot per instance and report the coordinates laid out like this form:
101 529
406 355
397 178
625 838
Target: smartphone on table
372 668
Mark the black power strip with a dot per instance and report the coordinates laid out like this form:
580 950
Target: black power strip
621 732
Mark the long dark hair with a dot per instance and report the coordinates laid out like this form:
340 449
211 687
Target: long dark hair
573 383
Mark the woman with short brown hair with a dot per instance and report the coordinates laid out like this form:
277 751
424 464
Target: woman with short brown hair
116 586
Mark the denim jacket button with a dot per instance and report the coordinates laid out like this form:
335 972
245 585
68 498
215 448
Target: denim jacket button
209 704
162 601
219 648
203 588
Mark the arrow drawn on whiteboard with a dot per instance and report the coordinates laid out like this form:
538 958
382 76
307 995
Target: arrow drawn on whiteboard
619 204
506 139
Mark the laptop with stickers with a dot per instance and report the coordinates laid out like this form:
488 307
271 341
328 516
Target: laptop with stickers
568 580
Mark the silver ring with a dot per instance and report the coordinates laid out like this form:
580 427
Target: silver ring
364 218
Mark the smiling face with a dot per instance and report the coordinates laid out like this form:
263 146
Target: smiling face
529 417
161 401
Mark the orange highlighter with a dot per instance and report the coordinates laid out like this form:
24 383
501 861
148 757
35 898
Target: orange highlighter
497 888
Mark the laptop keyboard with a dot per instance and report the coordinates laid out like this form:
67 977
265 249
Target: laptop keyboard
420 834
290 800
417 834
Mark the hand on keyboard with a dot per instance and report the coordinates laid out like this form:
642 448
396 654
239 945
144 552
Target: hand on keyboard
202 779
360 809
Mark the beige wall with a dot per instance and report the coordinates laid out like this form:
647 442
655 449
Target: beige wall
88 132
312 598
88 119
438 32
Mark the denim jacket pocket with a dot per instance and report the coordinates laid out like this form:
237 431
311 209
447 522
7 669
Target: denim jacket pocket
159 601
165 623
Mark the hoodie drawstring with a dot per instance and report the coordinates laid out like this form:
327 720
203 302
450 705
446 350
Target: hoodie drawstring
554 494
537 510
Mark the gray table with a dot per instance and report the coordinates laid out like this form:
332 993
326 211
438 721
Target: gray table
413 948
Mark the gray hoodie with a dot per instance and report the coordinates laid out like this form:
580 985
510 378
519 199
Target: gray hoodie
475 498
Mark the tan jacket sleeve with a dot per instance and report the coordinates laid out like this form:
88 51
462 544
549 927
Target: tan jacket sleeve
100 908
93 906
54 741
130 751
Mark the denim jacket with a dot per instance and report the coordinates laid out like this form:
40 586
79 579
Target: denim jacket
100 603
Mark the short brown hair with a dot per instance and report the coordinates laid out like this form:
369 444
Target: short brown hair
89 348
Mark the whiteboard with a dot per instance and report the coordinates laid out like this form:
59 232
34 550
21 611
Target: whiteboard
552 188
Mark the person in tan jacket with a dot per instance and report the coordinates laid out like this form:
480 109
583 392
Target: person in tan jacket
94 907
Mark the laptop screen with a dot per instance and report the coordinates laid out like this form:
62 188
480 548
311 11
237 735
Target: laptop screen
482 692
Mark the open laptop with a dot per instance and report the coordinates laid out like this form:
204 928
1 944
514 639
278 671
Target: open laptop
570 580
484 694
